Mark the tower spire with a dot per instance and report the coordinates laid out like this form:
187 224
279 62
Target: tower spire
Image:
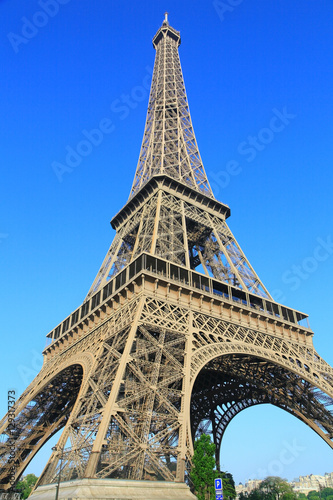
159 216
169 145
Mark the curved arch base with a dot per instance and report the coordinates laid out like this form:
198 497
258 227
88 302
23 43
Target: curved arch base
39 415
229 384
128 414
115 488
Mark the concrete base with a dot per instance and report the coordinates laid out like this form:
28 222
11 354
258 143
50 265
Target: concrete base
114 489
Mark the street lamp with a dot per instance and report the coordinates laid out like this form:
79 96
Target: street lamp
59 475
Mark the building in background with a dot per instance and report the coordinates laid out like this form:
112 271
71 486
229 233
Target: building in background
304 484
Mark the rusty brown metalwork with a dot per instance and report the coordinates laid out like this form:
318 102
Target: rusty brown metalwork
177 334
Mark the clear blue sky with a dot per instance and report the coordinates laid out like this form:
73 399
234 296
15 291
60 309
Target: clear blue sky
241 68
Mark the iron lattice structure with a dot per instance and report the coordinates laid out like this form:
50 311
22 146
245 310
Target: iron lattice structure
177 333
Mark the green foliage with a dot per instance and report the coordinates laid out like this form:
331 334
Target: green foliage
229 491
277 488
26 485
273 488
203 470
289 495
323 494
256 495
326 493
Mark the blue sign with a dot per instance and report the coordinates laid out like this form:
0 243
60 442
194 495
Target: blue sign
218 484
219 496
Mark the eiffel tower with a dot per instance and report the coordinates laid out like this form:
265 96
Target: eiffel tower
177 333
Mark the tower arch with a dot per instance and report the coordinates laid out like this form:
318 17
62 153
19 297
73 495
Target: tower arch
42 410
235 378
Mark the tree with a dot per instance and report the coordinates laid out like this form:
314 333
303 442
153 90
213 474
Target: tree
203 470
256 494
313 494
26 485
229 491
276 488
326 493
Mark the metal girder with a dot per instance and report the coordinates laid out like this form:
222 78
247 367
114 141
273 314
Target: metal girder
169 227
230 384
169 145
157 370
164 224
